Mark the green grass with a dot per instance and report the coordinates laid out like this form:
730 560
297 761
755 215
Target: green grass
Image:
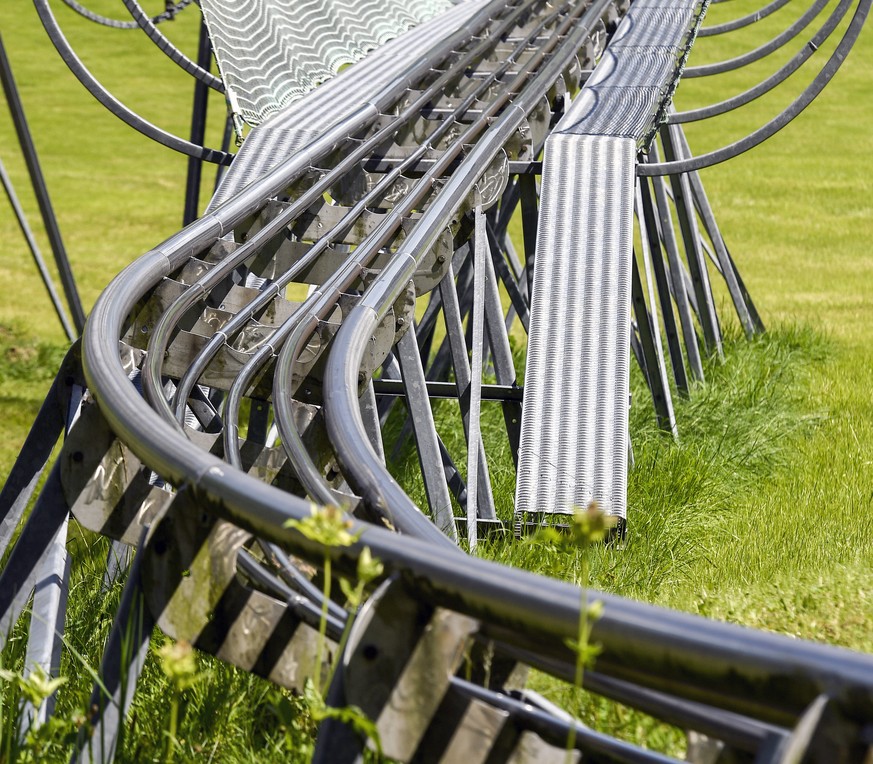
760 514
226 716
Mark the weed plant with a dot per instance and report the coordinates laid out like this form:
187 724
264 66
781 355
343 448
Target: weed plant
760 514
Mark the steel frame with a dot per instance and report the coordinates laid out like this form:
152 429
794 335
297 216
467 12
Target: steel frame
205 408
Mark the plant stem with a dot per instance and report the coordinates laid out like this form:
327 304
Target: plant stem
344 637
322 626
581 644
174 721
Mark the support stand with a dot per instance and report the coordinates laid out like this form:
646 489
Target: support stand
45 207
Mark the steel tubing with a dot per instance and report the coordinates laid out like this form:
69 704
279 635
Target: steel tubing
775 79
362 256
162 331
788 34
706 664
768 130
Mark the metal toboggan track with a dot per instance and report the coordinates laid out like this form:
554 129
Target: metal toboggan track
277 355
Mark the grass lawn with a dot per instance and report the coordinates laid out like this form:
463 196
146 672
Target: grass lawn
761 514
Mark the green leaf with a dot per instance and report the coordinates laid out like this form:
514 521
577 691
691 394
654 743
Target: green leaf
352 593
356 719
312 698
326 525
369 567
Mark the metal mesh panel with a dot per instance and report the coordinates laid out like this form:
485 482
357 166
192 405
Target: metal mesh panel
574 426
271 52
295 125
574 440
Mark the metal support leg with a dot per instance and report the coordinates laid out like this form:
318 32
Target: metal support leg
120 667
519 303
679 292
748 315
48 613
529 219
477 321
656 372
28 467
117 563
425 433
648 223
743 303
498 340
458 348
370 415
259 419
47 521
36 254
198 129
691 238
40 189
425 328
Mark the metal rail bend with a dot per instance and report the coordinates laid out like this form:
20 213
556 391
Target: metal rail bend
744 21
356 153
762 51
96 89
394 509
363 468
118 24
157 441
774 80
772 127
527 617
172 52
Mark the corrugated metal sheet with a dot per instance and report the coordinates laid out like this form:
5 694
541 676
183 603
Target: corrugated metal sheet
271 52
574 423
574 439
295 125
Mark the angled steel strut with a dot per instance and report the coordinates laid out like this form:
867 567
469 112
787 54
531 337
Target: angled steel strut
353 288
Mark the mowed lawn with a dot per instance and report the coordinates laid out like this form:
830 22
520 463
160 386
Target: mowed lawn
798 214
761 514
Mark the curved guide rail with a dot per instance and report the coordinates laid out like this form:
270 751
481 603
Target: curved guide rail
242 390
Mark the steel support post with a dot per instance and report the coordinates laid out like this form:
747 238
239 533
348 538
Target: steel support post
198 129
16 108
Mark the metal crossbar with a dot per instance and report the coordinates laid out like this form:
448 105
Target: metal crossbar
273 357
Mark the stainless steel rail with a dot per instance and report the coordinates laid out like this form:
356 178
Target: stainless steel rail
404 192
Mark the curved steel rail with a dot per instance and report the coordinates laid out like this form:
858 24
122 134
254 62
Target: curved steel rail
775 79
171 51
768 130
405 192
113 104
744 21
762 51
98 18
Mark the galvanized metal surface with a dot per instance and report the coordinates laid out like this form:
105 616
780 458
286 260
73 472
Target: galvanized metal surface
402 193
271 52
577 381
574 441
